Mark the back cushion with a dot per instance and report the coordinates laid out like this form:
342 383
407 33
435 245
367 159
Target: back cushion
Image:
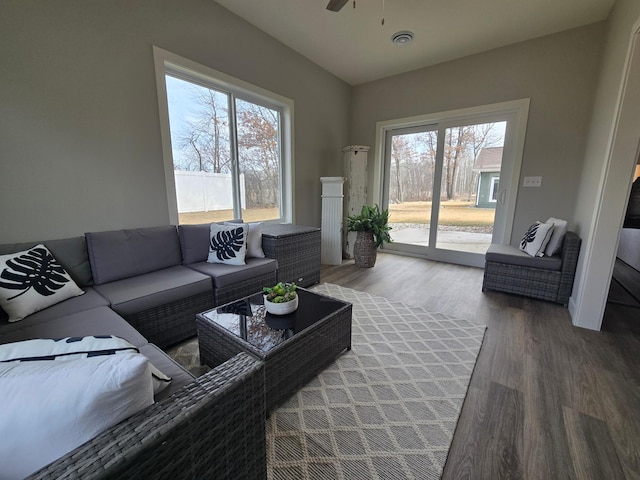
119 254
71 253
194 241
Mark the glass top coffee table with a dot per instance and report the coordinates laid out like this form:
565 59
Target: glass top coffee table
294 347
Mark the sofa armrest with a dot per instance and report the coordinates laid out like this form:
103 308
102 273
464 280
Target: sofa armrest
211 428
570 251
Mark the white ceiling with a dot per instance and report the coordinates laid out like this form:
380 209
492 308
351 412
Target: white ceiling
353 45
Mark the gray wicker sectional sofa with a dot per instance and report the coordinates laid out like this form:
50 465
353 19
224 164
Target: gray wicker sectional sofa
146 285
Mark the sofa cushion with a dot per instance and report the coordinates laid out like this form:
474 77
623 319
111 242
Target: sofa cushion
119 254
97 321
90 299
139 293
74 348
536 238
179 376
63 349
513 256
194 241
32 280
57 406
254 239
557 235
71 253
228 243
225 275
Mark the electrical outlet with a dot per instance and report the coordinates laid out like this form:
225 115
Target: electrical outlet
532 182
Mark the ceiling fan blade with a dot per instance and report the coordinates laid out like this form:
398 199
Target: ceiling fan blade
336 5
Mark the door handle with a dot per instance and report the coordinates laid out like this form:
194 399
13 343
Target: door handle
503 195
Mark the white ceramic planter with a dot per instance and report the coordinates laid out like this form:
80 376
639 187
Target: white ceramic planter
281 308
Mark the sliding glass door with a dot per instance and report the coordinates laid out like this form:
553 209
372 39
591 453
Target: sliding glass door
445 187
411 181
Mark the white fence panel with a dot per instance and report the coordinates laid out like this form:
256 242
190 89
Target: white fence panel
202 191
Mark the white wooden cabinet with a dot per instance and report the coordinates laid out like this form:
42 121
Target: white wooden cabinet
355 189
332 210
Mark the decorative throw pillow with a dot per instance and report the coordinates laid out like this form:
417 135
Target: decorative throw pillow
32 280
557 234
254 239
57 406
74 348
228 244
536 239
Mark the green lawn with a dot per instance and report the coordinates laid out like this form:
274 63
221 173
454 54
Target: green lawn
251 215
452 212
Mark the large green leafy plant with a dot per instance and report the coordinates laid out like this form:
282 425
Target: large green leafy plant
371 220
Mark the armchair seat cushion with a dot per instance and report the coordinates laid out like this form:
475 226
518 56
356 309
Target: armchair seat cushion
514 256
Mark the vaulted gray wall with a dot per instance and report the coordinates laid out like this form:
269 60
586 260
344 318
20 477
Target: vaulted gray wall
80 145
557 72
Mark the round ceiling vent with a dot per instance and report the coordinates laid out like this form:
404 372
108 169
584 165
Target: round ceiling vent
402 38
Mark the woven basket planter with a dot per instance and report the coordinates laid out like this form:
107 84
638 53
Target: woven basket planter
364 250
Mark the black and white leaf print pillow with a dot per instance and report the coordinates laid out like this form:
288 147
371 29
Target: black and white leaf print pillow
536 238
227 244
33 280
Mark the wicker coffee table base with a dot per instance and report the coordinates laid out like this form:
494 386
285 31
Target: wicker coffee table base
290 365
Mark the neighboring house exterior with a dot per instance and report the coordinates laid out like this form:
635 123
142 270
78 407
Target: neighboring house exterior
487 165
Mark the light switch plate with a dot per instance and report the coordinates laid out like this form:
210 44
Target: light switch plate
532 182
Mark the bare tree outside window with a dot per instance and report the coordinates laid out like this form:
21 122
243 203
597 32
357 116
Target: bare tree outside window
413 157
259 153
201 137
200 123
412 167
412 173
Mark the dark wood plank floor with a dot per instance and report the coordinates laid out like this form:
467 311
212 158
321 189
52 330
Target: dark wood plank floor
547 400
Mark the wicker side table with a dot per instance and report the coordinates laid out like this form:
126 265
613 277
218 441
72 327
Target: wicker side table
297 250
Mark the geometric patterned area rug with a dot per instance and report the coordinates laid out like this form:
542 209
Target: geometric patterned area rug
187 354
387 409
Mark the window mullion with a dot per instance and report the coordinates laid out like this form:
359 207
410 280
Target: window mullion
437 185
235 161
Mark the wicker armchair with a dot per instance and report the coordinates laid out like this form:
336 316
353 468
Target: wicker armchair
211 428
507 269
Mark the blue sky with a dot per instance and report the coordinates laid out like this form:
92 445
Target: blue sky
181 105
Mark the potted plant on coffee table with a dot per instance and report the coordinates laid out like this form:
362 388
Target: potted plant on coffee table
281 299
372 230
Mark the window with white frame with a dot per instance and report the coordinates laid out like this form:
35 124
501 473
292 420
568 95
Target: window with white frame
227 145
495 187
